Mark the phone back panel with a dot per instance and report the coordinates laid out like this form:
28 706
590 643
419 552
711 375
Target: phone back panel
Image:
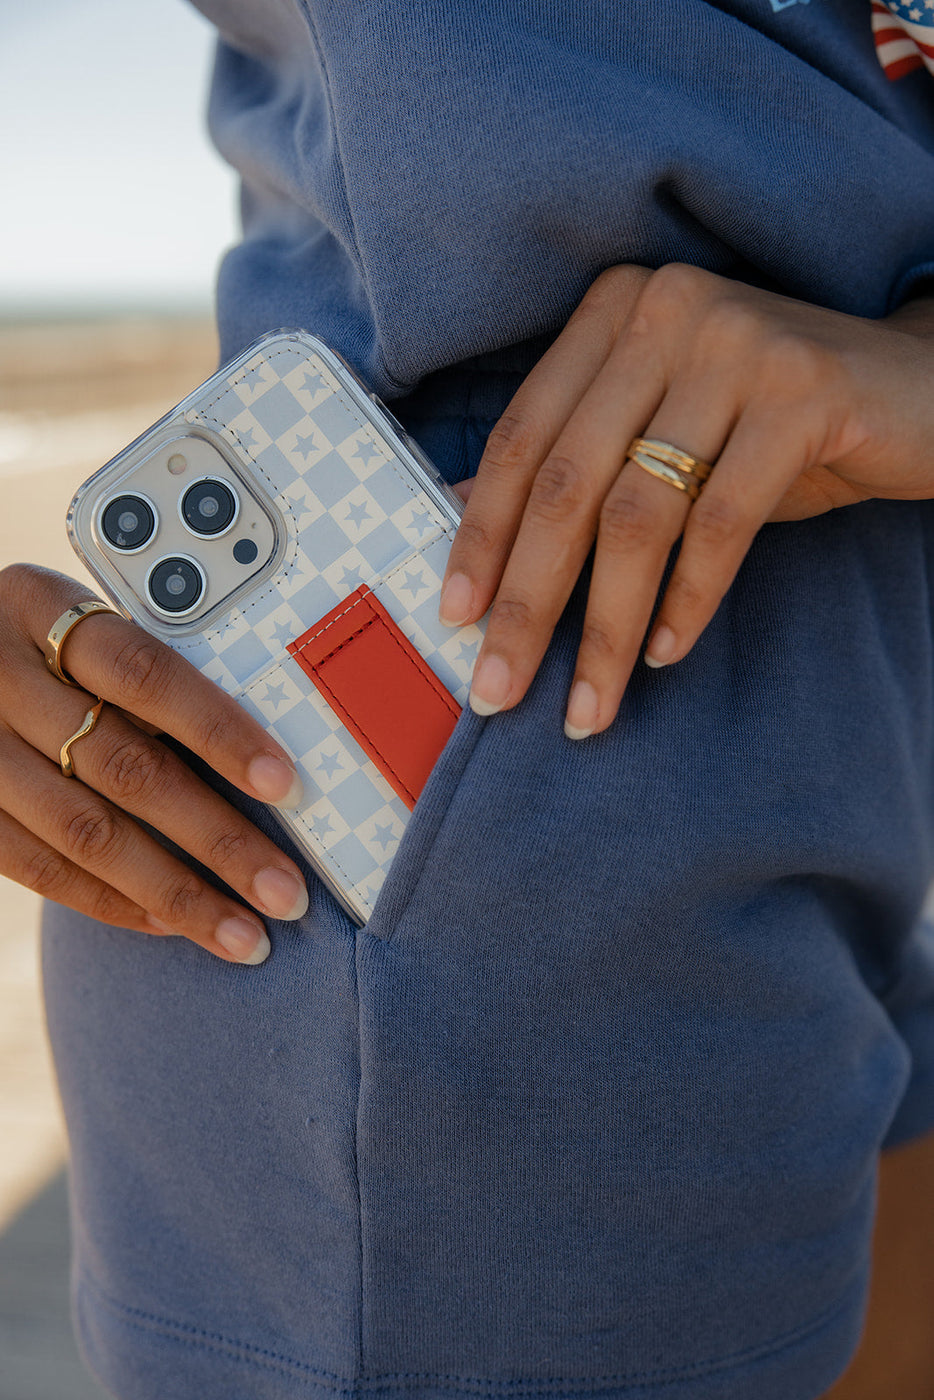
365 537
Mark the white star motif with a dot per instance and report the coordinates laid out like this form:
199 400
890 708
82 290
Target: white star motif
384 835
314 384
304 446
421 521
357 514
275 695
366 451
414 583
321 825
329 763
251 378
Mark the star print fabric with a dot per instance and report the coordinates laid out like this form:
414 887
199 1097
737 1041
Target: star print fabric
904 35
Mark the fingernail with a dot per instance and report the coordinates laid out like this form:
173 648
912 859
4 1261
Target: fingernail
489 689
582 711
243 940
456 601
282 894
661 648
276 781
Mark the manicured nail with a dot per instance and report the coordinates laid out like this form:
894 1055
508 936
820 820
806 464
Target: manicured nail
243 940
281 894
489 689
276 781
661 648
582 711
456 601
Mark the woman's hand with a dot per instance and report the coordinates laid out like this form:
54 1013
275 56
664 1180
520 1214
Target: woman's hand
75 840
800 409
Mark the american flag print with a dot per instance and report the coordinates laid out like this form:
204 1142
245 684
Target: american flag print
904 35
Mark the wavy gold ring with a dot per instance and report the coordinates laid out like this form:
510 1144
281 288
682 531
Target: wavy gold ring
64 757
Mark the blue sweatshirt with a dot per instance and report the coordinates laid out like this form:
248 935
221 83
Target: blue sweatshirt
426 182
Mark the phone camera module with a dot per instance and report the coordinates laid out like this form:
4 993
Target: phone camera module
176 584
209 507
128 523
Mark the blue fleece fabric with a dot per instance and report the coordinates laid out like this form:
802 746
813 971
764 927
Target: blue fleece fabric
594 1104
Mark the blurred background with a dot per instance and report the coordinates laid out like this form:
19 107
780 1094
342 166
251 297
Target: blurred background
115 211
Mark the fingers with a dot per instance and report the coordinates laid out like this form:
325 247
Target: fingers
754 383
44 870
524 437
143 777
641 518
84 831
563 513
81 836
112 657
766 452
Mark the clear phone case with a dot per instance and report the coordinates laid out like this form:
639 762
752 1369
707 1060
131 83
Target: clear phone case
280 530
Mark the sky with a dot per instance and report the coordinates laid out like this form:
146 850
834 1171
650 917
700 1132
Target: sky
110 193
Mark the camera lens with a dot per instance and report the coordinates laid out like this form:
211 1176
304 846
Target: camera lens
209 507
175 584
128 522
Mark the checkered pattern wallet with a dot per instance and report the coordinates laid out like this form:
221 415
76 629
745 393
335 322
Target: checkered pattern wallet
334 645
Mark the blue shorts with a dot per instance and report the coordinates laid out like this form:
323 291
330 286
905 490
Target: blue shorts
594 1104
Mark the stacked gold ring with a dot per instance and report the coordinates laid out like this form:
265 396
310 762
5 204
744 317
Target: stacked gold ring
60 629
669 463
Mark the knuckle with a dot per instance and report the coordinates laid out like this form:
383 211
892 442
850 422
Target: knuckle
627 519
473 536
140 667
91 836
20 586
559 490
46 873
108 906
226 847
604 293
671 286
134 766
181 901
512 613
598 641
684 596
514 441
219 733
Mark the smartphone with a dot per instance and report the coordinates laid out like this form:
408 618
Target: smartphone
281 530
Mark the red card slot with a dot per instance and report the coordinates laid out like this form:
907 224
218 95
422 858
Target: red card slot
386 694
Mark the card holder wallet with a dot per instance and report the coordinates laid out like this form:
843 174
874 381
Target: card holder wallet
338 651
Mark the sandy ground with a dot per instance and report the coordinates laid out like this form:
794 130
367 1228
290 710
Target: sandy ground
70 397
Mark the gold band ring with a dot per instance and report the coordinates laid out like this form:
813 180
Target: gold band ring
671 455
666 473
64 757
63 628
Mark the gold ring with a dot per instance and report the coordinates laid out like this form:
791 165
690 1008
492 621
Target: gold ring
62 628
673 456
64 757
666 473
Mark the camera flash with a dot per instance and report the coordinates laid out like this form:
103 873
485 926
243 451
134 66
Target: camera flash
177 464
